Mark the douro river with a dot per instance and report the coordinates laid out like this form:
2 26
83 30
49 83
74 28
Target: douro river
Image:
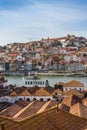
20 80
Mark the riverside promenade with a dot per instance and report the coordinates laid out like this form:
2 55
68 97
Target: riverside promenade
57 73
45 73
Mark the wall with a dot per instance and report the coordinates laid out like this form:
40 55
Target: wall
17 98
69 88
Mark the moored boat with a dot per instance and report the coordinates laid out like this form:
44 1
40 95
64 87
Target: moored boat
35 81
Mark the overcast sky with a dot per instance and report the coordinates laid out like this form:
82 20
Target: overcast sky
22 20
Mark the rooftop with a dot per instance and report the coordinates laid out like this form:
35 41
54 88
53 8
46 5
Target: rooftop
71 100
13 109
42 92
23 109
73 91
73 83
53 119
24 93
79 110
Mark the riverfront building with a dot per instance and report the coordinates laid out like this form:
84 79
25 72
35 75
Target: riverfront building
73 84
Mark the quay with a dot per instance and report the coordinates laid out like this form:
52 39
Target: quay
56 73
45 73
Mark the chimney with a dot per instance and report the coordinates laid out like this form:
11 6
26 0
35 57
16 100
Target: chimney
47 83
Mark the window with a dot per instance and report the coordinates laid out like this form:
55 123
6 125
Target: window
48 99
33 82
28 99
41 99
20 98
30 82
26 82
55 93
34 99
38 83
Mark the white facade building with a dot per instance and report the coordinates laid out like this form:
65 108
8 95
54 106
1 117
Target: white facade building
73 84
41 95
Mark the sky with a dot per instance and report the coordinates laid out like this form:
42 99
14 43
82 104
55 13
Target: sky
29 20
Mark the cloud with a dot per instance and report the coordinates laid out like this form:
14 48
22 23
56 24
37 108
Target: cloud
39 20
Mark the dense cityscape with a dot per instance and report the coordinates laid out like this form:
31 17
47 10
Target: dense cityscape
66 54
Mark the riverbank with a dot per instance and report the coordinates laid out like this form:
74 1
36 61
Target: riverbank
51 73
46 73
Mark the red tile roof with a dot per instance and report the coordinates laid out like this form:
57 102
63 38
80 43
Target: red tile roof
84 102
73 83
79 110
15 108
73 91
53 119
42 92
71 100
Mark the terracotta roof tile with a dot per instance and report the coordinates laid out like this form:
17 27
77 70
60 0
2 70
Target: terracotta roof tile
53 119
13 93
64 107
73 83
73 91
49 89
58 91
84 102
42 92
15 108
71 100
24 93
32 90
79 110
51 104
31 110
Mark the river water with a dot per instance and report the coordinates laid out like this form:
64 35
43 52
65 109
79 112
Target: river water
20 80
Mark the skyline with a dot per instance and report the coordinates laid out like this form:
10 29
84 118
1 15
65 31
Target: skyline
25 19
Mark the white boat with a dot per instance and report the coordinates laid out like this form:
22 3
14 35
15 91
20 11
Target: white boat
35 81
